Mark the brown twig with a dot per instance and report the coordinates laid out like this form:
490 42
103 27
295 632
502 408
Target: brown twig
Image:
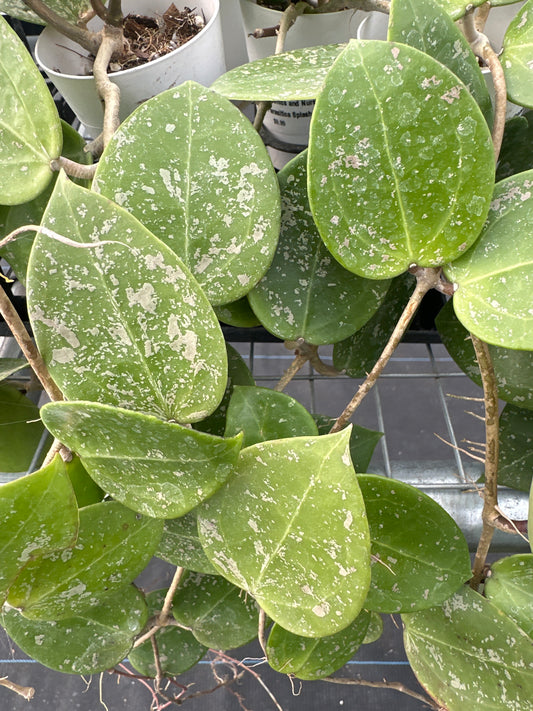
112 43
27 692
75 170
164 618
394 685
261 632
99 9
86 39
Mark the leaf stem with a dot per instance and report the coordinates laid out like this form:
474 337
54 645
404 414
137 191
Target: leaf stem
86 39
394 685
27 692
75 170
169 597
112 43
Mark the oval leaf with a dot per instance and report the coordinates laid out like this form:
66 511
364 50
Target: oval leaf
9 366
123 323
87 492
493 279
420 556
180 545
237 313
157 468
191 167
19 420
400 161
510 588
516 57
30 130
298 540
306 293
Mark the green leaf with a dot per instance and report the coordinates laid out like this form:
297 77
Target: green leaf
69 9
510 588
298 74
123 323
467 654
457 8
513 369
157 468
88 643
306 293
218 614
516 57
191 167
298 539
87 492
315 658
362 441
375 628
9 366
263 414
38 515
420 556
515 468
20 426
493 279
180 545
530 516
427 26
516 154
114 545
30 130
178 649
237 313
400 161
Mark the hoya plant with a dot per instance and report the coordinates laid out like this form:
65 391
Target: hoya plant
163 445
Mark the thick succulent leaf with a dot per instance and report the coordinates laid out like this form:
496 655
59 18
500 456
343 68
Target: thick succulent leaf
362 441
516 154
218 613
68 9
306 293
178 649
157 468
20 426
515 467
191 167
357 354
88 643
38 515
308 658
9 366
30 130
469 654
263 414
124 322
516 57
180 545
420 557
510 588
494 278
298 540
530 516
375 628
114 544
86 490
513 369
400 161
237 313
426 25
289 76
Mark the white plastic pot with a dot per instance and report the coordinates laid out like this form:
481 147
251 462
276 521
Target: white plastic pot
68 66
289 121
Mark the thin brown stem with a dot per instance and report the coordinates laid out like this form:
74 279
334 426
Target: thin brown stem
296 365
57 448
112 42
27 692
114 13
86 39
169 597
260 113
394 685
426 278
99 9
75 170
261 632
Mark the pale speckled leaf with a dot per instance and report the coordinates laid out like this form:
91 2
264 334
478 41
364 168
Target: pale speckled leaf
20 426
69 9
400 161
513 369
426 25
420 556
515 467
157 468
178 649
219 614
123 323
263 414
180 545
306 293
30 130
510 588
9 366
468 654
114 545
315 658
38 514
191 167
289 76
298 540
88 643
516 57
363 441
494 278
457 8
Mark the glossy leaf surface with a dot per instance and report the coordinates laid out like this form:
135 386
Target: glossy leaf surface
158 468
86 490
20 426
38 515
189 165
363 441
515 467
400 161
263 414
180 545
315 658
69 9
114 544
420 556
510 588
469 653
30 130
219 615
9 366
123 323
494 278
516 154
88 643
237 313
298 541
306 293
516 57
